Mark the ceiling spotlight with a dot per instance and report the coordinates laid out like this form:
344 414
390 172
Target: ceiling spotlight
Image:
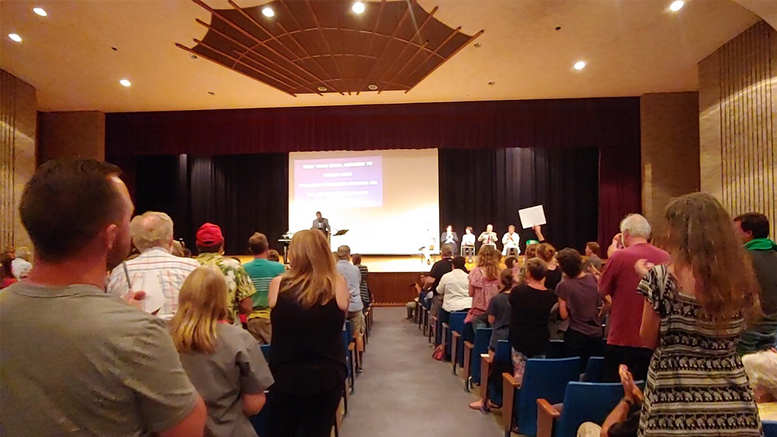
492 83
372 87
358 7
579 65
211 93
676 6
15 37
322 88
125 82
40 11
268 12
478 45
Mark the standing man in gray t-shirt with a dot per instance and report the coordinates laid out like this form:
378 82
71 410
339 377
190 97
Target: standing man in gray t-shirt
76 361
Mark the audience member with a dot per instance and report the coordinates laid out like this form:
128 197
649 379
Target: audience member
420 296
6 271
547 253
454 290
694 311
499 321
592 255
623 421
753 229
273 255
579 301
364 288
307 357
355 306
761 369
210 245
95 366
155 271
177 249
261 271
618 282
519 270
510 262
530 305
21 265
439 268
221 360
483 285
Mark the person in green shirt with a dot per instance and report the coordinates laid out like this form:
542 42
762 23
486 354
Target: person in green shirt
261 271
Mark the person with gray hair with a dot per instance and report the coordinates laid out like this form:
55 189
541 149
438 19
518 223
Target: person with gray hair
21 266
353 279
618 287
156 271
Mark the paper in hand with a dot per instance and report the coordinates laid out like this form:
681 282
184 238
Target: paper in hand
532 216
155 298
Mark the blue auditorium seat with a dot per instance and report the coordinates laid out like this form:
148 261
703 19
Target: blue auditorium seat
583 402
543 378
454 341
594 370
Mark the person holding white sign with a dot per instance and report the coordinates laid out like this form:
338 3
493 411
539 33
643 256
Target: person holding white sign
488 237
510 242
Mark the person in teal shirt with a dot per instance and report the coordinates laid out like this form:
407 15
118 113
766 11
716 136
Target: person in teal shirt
753 229
261 271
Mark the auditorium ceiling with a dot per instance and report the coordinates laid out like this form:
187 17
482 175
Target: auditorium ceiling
78 53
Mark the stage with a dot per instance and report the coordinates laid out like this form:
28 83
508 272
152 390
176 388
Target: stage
391 276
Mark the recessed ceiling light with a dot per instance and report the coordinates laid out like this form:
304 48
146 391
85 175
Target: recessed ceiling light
579 65
478 45
211 93
322 88
372 87
15 37
677 5
125 82
358 7
492 83
268 12
40 11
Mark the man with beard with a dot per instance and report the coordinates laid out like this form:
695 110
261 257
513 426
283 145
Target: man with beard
75 360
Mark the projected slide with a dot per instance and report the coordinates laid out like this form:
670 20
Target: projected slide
387 199
342 183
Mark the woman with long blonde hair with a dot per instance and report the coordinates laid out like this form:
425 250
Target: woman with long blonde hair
483 284
223 361
695 308
309 303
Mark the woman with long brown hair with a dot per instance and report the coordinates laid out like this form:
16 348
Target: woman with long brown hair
222 360
547 253
307 357
695 309
483 283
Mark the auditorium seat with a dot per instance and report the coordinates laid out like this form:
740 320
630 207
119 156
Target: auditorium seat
454 338
265 351
543 378
555 349
472 351
502 356
583 402
594 369
770 428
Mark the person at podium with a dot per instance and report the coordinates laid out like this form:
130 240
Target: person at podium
321 224
450 238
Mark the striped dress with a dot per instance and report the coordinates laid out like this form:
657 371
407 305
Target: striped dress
696 383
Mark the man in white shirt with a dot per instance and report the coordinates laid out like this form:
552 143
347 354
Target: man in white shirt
454 289
468 244
21 266
510 242
156 271
488 238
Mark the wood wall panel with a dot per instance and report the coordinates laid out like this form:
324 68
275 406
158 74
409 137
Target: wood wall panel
745 111
392 289
18 121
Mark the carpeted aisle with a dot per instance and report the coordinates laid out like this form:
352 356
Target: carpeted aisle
404 392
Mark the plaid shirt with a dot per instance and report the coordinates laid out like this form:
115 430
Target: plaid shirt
155 264
239 285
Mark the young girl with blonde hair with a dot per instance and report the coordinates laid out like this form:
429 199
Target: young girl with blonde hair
223 361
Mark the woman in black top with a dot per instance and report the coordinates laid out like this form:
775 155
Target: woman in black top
307 355
547 253
530 305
